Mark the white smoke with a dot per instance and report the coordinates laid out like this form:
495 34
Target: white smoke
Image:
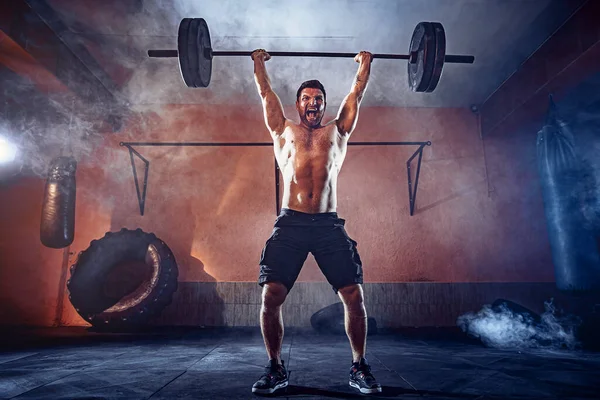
45 126
500 327
274 26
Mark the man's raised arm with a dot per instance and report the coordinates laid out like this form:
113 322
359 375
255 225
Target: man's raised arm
274 116
348 114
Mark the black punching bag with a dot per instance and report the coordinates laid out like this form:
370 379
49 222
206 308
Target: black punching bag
574 248
58 210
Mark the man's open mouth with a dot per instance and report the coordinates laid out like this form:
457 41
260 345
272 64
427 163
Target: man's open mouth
311 113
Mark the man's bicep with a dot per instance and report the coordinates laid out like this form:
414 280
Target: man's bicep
274 115
348 114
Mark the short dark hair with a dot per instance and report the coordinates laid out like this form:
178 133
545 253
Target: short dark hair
312 84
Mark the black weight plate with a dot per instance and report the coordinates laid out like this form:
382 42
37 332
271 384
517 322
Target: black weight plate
440 54
421 72
192 44
204 48
182 50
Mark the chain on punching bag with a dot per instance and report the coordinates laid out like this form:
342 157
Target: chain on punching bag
58 210
574 250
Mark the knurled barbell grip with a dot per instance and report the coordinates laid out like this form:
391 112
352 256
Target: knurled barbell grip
458 59
163 53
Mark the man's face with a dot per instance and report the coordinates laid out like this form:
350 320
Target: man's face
311 106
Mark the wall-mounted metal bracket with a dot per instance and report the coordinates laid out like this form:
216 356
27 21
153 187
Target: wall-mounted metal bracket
141 196
412 192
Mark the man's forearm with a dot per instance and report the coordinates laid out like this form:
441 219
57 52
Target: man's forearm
263 83
362 78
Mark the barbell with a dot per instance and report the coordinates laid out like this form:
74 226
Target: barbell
426 58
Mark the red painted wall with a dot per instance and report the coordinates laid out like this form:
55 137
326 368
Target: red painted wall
215 206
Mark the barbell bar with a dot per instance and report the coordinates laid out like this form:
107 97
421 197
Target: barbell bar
427 54
412 58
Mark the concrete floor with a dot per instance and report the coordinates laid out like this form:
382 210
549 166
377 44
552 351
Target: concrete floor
73 363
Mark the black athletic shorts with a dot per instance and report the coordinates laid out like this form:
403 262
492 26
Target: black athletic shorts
295 234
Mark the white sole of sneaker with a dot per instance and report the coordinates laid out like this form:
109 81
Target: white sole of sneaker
364 390
270 391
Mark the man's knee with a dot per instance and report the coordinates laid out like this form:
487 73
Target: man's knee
274 294
352 296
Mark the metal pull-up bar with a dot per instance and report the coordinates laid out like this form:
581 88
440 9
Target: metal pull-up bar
412 192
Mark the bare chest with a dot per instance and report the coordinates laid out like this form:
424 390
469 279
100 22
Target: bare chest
321 142
300 150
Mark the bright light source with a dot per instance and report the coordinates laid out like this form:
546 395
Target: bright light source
8 151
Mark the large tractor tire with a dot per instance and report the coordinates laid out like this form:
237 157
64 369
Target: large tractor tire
123 279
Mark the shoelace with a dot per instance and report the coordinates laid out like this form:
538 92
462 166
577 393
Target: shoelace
270 373
363 367
365 370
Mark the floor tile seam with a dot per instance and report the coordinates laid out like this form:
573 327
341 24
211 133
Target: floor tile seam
460 388
47 383
18 359
203 357
395 372
487 366
168 383
290 349
103 362
185 371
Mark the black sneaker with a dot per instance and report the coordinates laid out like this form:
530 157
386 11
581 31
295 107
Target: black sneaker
362 379
274 378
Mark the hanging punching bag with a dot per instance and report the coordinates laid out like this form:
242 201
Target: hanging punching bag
574 249
58 210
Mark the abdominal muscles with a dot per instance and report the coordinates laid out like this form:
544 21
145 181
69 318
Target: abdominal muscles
310 183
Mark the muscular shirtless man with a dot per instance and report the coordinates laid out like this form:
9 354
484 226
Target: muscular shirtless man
310 156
